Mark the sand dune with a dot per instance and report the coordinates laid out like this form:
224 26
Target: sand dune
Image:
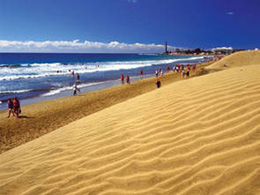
196 136
237 59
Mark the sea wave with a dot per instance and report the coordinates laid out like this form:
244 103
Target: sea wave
16 91
16 77
68 88
37 70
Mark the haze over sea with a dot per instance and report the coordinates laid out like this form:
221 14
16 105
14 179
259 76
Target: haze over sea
48 75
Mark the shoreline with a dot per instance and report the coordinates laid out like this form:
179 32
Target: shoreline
95 86
40 84
45 116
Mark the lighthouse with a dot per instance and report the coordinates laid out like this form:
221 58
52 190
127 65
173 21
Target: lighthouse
165 47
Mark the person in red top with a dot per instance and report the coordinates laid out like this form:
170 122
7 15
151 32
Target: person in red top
10 107
177 67
16 105
127 79
122 79
194 67
78 77
141 73
168 68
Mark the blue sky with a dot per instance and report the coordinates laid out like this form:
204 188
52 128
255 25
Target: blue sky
92 25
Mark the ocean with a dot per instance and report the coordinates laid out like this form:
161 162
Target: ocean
34 77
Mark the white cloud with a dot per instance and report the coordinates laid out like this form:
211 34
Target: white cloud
230 13
80 47
132 1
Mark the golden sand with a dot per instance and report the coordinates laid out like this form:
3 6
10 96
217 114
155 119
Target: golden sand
237 59
46 116
195 136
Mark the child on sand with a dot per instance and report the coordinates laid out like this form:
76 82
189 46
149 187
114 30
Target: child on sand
10 107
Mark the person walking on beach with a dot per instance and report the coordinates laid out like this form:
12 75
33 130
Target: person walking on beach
188 66
75 89
188 73
177 68
168 68
122 79
183 73
127 79
158 83
141 73
72 73
16 105
78 77
161 72
156 73
10 107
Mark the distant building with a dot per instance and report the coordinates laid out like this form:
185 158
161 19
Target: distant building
222 50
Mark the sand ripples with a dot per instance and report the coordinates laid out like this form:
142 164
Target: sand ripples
197 136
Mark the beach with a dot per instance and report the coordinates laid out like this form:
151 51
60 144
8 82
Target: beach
191 136
34 77
45 116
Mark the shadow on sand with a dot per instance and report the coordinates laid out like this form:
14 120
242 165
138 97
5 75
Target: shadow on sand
25 117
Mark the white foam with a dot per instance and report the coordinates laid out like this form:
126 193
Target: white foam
37 70
69 88
15 91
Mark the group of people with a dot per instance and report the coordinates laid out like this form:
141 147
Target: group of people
73 75
158 72
177 68
123 79
13 107
180 67
75 87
